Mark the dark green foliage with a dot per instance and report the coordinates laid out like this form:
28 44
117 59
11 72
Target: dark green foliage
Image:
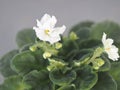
25 47
5 63
14 83
67 87
24 62
60 78
82 29
86 78
115 72
89 43
39 80
105 82
68 50
24 37
84 24
83 33
68 67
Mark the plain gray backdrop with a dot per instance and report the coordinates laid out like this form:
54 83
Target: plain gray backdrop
19 14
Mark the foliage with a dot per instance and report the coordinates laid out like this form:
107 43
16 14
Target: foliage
75 63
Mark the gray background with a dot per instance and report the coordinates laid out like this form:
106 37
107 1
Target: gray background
19 14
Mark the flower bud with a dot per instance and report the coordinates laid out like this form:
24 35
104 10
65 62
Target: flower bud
46 55
58 45
32 48
97 63
73 36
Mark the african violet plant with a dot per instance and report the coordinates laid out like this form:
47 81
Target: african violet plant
84 60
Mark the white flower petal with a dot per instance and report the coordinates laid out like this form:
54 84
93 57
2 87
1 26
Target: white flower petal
114 48
59 30
45 18
54 39
47 25
41 34
104 38
53 21
50 23
108 42
113 56
35 28
38 23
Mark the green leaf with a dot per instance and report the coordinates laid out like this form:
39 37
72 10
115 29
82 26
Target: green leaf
39 80
67 87
115 72
42 63
82 29
24 37
105 82
14 83
83 33
24 62
25 47
85 24
60 78
112 30
89 43
86 78
83 54
5 63
68 50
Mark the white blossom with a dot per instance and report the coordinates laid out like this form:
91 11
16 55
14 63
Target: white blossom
109 48
46 29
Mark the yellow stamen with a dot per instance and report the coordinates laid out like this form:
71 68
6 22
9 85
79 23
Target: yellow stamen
108 49
47 32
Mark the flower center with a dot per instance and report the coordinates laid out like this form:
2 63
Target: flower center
47 31
107 49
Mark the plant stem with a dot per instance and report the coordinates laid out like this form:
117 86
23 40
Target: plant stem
97 53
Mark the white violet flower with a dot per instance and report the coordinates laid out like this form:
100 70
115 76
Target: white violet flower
109 48
46 29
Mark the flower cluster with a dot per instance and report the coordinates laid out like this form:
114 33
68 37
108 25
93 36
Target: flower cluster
46 31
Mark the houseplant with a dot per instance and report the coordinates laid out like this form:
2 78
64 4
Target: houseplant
86 59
